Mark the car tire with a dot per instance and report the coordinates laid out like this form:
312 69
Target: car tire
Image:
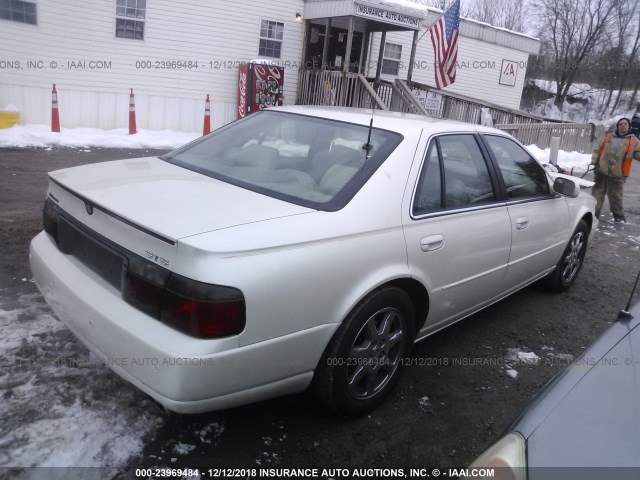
570 263
364 359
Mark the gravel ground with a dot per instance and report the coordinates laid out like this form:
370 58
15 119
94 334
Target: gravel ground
452 403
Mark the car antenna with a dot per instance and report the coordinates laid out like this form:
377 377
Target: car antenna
625 313
367 146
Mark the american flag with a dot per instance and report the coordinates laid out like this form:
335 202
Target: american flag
444 37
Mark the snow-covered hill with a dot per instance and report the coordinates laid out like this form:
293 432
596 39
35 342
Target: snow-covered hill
584 105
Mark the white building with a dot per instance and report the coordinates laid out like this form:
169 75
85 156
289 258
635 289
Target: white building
174 54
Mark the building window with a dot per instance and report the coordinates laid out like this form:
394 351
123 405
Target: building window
130 18
271 34
18 11
391 58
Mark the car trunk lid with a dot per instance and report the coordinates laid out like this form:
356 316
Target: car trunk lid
163 200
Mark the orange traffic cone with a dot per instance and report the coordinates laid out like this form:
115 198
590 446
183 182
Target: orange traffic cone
132 114
55 116
206 129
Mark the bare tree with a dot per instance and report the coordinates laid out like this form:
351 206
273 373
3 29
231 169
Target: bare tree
570 31
509 14
433 3
631 63
615 59
465 11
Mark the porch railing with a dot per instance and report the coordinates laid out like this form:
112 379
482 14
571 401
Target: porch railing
397 97
327 87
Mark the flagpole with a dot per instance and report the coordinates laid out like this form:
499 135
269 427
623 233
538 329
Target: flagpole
442 5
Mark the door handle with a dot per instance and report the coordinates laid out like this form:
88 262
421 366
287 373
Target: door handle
522 223
431 243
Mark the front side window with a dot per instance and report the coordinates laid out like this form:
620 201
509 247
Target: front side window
391 58
271 35
455 175
18 11
523 176
130 15
309 161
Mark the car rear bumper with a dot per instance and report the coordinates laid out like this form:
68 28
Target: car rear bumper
182 373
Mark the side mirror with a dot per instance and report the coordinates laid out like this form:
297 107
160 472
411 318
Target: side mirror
566 187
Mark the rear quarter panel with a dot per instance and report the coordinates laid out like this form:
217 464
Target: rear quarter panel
311 269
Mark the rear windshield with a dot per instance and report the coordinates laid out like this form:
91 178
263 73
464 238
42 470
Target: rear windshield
309 161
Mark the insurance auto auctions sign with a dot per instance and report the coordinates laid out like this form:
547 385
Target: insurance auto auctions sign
387 16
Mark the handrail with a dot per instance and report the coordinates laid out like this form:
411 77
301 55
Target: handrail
372 92
409 98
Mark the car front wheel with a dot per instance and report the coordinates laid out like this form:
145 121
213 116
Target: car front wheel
569 265
363 361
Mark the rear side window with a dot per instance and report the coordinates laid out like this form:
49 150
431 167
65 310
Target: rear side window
454 175
523 176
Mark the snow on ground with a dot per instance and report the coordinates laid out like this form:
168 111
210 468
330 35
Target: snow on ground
41 136
512 373
568 160
60 406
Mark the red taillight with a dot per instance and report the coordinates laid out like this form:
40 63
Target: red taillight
203 318
195 308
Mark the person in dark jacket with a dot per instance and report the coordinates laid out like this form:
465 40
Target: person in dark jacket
612 162
635 124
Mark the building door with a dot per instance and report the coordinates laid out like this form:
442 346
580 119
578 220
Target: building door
337 48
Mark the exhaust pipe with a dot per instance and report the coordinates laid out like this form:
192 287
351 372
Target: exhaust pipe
164 411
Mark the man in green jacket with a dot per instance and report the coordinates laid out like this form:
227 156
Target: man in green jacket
612 162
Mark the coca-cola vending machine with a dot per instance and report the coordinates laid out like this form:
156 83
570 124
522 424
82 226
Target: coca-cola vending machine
260 85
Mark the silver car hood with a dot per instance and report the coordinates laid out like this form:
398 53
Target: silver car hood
589 416
169 200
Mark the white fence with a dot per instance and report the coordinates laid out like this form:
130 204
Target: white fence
574 137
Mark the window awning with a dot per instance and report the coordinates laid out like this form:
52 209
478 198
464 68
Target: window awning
387 14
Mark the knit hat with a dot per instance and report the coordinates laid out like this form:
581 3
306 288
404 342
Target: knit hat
625 119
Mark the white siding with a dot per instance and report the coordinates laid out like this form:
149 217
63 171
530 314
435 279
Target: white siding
223 33
478 72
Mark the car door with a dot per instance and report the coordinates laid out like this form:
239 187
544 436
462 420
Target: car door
457 230
539 218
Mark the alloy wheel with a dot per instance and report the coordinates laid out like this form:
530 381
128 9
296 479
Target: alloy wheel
573 258
376 353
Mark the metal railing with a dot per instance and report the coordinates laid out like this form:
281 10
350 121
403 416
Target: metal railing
574 137
327 87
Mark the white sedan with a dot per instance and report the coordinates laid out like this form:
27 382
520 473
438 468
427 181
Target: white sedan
299 247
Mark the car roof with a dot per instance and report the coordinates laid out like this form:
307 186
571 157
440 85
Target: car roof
384 119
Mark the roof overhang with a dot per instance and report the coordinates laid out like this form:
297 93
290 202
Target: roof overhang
395 13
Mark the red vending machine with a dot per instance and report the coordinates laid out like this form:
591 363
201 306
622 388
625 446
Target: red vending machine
260 85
